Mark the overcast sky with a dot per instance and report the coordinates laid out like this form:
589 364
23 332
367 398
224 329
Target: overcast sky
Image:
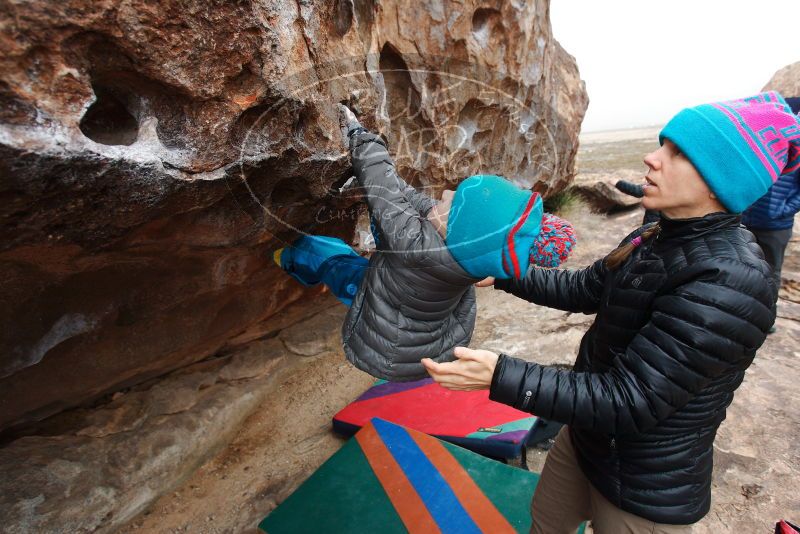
643 61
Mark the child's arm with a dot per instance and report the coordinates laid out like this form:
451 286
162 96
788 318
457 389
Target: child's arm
351 127
395 206
418 200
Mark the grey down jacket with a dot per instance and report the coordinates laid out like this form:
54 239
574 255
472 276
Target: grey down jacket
415 301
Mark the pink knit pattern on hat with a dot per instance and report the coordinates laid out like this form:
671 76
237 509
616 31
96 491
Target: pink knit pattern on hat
769 128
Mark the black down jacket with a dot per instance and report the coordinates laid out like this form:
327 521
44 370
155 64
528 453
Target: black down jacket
415 301
677 325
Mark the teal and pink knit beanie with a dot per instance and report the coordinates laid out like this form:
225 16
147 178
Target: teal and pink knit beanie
739 147
498 229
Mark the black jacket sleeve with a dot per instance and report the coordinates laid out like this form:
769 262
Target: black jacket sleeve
568 290
710 324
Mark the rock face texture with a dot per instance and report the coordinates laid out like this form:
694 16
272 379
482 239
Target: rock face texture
92 470
786 81
152 154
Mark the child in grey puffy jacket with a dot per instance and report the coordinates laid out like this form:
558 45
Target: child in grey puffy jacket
414 298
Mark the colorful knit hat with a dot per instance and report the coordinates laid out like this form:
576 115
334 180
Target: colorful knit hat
739 147
554 243
493 225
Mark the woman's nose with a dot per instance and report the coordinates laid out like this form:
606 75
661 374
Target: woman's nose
651 160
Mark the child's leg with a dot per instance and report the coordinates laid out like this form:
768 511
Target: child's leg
314 259
343 274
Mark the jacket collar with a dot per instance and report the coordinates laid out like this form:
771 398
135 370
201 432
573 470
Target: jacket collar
694 227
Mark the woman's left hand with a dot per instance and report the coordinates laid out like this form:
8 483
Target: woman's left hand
472 369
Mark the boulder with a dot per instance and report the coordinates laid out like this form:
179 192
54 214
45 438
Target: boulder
93 470
154 153
786 81
600 192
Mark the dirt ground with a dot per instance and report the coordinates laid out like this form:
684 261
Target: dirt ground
756 453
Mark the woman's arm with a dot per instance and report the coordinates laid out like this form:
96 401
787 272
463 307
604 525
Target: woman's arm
568 290
705 328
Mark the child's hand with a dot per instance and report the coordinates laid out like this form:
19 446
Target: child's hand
348 116
348 123
486 282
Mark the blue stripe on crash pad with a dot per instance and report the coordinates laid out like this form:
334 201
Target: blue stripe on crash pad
426 479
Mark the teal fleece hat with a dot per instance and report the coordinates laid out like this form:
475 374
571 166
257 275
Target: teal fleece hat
492 225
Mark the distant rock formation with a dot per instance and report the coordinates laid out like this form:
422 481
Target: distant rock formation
600 192
152 154
786 81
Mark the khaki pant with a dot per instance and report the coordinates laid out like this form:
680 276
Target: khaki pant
565 498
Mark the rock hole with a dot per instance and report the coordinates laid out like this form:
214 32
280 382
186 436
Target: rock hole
482 17
343 16
364 10
306 117
473 121
107 121
125 316
365 17
261 128
485 22
403 98
288 191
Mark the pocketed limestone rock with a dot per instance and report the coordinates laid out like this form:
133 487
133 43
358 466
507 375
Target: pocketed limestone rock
153 154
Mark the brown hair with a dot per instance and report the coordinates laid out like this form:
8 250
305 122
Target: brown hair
618 256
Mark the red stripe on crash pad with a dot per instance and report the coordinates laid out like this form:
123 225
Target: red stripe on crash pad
469 494
404 498
433 409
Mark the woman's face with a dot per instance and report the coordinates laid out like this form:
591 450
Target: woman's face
674 187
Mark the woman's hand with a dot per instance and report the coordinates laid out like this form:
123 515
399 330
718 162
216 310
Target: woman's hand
473 369
486 282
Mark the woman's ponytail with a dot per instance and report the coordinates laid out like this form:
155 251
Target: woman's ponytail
618 256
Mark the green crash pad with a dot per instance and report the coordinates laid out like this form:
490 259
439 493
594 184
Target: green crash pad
388 478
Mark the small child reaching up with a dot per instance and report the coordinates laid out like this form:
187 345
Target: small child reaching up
414 298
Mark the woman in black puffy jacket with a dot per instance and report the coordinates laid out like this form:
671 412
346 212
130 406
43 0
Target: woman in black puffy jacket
682 306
